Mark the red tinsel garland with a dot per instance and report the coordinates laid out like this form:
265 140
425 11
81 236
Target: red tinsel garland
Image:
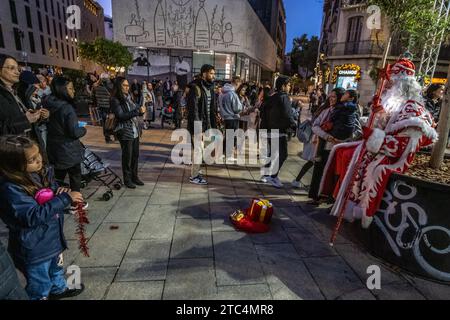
82 220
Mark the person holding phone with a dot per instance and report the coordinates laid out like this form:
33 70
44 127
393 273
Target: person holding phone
128 130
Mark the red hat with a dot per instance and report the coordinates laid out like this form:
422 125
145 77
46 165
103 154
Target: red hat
403 68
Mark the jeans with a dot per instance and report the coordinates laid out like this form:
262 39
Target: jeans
44 278
130 159
277 156
230 125
74 176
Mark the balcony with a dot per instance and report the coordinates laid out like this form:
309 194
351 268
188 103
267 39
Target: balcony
363 48
376 48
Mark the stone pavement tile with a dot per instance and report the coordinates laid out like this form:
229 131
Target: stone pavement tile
175 186
276 235
190 279
145 260
282 201
70 227
196 211
157 223
71 253
285 221
325 224
431 290
220 218
309 245
297 218
127 209
398 291
150 290
192 199
107 246
187 188
260 292
358 295
359 260
96 282
236 259
192 239
144 191
165 196
334 276
286 273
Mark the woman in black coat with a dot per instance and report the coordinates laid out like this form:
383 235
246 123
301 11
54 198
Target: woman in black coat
64 148
128 130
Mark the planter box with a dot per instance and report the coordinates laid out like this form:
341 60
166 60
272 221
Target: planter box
412 228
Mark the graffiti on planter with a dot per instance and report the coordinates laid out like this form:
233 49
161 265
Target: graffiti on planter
182 23
136 27
421 230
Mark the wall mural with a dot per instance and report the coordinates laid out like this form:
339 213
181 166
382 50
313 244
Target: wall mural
181 23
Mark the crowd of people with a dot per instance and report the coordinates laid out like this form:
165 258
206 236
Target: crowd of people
40 145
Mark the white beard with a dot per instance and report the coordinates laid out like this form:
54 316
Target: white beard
403 89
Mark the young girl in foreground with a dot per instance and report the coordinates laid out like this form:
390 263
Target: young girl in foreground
32 206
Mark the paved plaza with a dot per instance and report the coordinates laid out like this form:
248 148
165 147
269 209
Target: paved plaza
172 240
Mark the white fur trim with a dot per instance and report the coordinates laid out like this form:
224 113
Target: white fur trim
427 130
366 221
375 141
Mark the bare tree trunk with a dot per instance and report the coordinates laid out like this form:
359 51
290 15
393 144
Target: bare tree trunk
438 154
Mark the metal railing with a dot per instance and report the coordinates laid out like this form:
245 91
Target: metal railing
375 48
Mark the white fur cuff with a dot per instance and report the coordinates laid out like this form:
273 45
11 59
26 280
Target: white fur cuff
375 141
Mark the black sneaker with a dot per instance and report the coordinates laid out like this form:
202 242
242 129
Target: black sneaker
130 185
138 182
69 293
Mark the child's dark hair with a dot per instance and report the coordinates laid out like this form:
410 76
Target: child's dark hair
354 95
59 88
13 164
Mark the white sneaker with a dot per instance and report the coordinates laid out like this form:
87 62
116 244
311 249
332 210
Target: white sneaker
266 179
276 183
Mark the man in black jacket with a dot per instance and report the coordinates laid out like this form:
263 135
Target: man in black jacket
14 116
279 117
201 108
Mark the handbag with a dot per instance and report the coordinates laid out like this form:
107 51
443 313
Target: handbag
111 122
304 131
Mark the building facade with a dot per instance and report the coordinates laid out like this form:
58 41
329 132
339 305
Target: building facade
35 32
351 52
175 38
109 28
272 14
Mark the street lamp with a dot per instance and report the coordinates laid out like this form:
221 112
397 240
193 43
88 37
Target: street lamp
147 50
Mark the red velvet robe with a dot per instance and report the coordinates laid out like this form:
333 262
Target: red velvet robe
362 169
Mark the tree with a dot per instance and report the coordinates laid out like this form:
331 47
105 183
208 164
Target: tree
106 53
421 22
304 55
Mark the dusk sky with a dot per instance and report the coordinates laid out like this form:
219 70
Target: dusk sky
303 16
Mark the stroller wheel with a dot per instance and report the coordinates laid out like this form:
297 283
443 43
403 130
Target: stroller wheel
118 186
83 184
108 196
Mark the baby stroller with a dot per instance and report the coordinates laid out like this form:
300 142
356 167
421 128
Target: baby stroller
94 169
168 113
